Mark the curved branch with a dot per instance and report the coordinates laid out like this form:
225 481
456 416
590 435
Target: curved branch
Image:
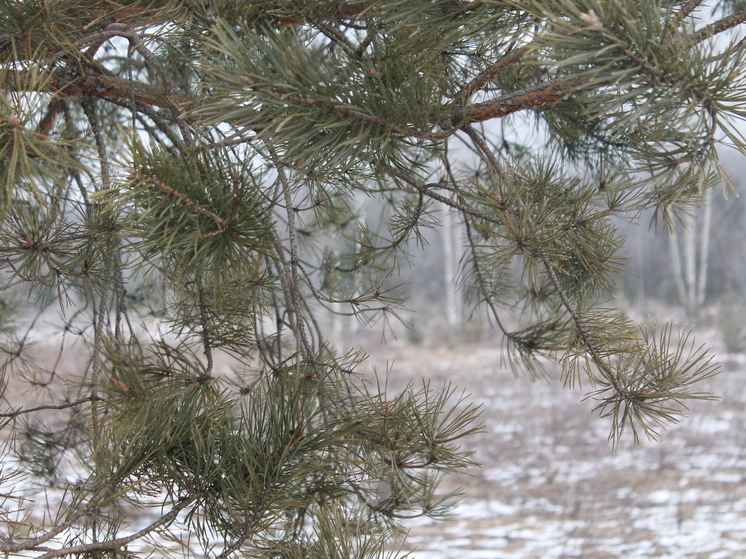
119 542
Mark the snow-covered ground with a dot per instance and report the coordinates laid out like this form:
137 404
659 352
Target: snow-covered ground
551 487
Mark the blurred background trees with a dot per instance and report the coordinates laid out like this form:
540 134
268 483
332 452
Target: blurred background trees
706 250
197 199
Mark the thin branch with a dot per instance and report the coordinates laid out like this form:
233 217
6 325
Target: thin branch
294 280
232 548
94 84
336 36
590 345
18 412
182 198
365 43
205 325
475 256
427 190
719 26
89 108
490 73
481 279
186 133
11 546
54 108
97 361
319 296
539 97
72 131
486 153
16 353
280 267
166 130
119 542
139 108
686 9
122 30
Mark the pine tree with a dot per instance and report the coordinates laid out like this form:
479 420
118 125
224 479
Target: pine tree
181 181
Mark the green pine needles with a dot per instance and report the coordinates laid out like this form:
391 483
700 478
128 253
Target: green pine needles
185 182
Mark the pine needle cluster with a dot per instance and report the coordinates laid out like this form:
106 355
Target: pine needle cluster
181 180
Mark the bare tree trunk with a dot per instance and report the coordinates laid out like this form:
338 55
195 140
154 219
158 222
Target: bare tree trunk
704 247
449 268
677 270
690 266
338 327
353 323
689 258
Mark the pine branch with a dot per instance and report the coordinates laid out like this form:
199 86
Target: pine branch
540 97
491 72
339 110
183 199
23 411
89 108
116 543
95 84
719 26
610 375
684 13
12 546
293 282
121 90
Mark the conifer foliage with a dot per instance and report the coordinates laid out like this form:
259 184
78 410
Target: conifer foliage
180 181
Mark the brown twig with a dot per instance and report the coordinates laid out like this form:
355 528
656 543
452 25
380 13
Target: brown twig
54 108
539 97
686 9
182 198
96 84
719 26
490 73
18 412
119 542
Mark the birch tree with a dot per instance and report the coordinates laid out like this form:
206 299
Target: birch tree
179 165
451 256
689 242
